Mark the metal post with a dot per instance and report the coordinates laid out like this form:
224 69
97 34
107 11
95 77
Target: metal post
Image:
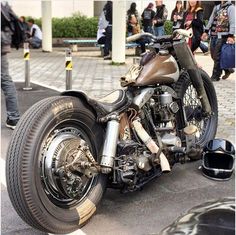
68 65
27 66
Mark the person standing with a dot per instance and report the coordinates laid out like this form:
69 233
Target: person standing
7 85
224 22
147 18
133 26
108 15
193 20
160 18
177 15
35 38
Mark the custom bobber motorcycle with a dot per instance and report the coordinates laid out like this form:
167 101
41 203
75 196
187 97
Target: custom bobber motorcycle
66 150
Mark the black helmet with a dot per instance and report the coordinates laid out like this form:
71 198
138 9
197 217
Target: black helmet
218 159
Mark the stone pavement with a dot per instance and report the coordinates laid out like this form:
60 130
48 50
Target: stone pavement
97 77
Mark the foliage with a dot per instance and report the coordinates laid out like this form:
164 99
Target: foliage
77 26
168 27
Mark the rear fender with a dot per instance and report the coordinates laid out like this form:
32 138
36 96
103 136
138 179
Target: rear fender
85 99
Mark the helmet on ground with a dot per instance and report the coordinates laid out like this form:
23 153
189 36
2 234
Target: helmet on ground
218 159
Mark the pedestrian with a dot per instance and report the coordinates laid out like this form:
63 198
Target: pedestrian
177 15
160 18
25 26
147 18
133 21
35 35
7 84
133 25
193 21
108 15
222 30
101 33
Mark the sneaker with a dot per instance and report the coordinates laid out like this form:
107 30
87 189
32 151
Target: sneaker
11 123
227 74
107 57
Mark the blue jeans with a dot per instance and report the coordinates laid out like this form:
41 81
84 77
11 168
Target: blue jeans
148 29
35 42
159 31
9 90
108 46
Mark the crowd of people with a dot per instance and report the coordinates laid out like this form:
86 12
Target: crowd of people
219 30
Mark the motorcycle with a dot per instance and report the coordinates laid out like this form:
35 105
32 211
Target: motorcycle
66 150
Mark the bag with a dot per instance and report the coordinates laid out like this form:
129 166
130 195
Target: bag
227 57
136 29
11 20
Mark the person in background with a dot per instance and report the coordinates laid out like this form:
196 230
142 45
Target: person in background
108 31
7 85
25 25
177 15
133 25
223 20
160 18
101 33
211 28
35 35
147 18
193 20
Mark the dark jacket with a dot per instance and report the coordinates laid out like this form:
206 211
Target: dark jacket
161 15
147 17
197 23
6 29
108 12
177 24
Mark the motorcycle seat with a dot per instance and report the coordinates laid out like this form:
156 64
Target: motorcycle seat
111 102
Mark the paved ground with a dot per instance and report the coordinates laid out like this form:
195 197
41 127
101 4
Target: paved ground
161 201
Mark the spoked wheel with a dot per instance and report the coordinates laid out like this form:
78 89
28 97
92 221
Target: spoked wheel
207 126
49 177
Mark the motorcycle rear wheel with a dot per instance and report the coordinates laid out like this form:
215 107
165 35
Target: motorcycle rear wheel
207 125
31 183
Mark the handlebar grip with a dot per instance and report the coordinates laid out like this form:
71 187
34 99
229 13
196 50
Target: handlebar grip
133 37
183 32
138 36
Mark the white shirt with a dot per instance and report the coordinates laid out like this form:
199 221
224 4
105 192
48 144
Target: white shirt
38 32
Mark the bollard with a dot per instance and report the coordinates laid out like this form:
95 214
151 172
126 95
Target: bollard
68 69
27 66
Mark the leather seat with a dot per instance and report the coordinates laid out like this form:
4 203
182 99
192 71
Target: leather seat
111 102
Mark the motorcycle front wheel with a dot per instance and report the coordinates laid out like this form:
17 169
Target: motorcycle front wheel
46 139
207 126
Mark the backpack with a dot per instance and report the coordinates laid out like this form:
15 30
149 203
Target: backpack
9 19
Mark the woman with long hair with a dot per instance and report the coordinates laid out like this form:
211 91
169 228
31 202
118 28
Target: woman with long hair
193 20
177 15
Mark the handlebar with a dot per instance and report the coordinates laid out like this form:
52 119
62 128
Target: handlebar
178 33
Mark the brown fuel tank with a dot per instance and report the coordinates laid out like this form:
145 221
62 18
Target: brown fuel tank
162 69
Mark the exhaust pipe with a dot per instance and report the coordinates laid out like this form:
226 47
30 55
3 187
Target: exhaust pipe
151 145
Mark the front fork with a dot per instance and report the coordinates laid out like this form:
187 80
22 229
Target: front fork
188 62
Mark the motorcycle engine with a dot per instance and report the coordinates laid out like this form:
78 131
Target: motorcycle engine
164 108
132 165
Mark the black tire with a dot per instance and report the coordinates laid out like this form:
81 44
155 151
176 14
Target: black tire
25 185
185 90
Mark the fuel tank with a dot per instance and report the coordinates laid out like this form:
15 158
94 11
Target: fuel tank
161 69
